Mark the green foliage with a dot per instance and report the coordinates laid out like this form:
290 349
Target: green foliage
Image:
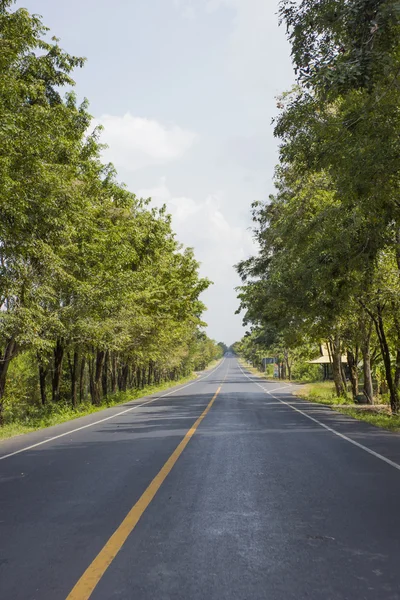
342 44
96 294
303 371
30 417
322 393
22 390
328 269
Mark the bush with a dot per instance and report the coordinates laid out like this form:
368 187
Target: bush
22 397
304 371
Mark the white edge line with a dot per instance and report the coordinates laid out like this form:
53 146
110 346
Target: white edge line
123 412
275 389
341 435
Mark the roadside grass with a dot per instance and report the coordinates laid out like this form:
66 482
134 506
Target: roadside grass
376 414
37 417
323 392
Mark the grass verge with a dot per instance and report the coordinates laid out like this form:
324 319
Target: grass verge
40 418
324 393
375 417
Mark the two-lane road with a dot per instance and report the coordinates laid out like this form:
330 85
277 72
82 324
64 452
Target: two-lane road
227 488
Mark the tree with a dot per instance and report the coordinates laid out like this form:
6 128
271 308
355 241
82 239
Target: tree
94 286
41 138
328 266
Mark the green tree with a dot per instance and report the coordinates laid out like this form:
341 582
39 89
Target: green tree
41 140
94 287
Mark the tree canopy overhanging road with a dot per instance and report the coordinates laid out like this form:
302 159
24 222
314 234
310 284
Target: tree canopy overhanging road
270 497
328 261
97 296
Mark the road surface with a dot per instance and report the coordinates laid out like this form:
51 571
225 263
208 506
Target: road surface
226 488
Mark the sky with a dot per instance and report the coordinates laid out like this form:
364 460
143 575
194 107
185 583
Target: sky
186 91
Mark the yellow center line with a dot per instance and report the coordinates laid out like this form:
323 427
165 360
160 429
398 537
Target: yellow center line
91 577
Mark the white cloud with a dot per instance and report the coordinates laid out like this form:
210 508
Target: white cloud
218 245
204 226
136 142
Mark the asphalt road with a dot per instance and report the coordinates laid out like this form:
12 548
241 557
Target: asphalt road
259 501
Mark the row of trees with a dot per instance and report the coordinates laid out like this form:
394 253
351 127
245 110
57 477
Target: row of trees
94 286
293 362
328 268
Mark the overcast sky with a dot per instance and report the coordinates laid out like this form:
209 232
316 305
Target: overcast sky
186 91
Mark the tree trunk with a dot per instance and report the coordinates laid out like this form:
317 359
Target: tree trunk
113 372
138 381
43 370
397 370
288 365
104 378
353 370
124 378
73 370
343 373
98 370
366 355
397 324
132 378
283 370
393 391
58 361
337 366
91 378
368 386
279 370
143 377
10 351
150 372
82 380
397 327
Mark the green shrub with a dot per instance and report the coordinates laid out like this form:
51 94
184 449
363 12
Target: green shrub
304 371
